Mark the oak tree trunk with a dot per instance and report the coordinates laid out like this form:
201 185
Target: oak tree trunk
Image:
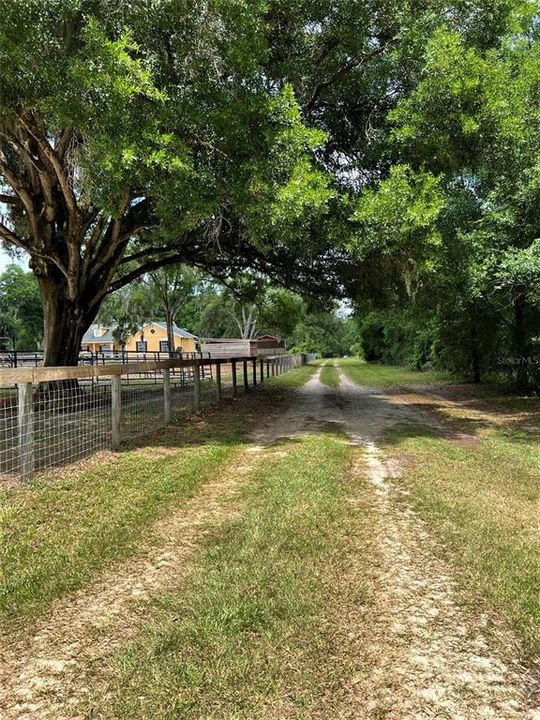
65 321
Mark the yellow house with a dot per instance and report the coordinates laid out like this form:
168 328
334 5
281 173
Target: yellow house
151 338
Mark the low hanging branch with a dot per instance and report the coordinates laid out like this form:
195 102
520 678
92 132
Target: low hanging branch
104 153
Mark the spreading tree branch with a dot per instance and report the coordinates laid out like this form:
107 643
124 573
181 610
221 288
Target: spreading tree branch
10 237
144 253
22 192
143 270
52 158
347 67
10 199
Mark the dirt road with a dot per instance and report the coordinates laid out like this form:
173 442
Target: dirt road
419 653
427 658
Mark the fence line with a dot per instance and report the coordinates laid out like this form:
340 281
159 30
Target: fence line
27 358
53 416
221 350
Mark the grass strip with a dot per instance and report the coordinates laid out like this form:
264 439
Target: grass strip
55 535
59 530
329 375
294 378
482 498
245 639
375 375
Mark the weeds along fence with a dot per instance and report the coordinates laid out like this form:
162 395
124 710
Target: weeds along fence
50 417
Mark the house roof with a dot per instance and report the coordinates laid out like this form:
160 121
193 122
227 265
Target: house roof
90 335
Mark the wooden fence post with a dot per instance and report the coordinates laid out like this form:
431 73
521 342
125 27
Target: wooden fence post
268 368
254 372
234 378
197 386
25 423
167 395
262 370
246 378
116 410
218 381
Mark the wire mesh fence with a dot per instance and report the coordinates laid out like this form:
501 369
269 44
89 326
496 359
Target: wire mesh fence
53 424
9 432
55 416
141 409
69 423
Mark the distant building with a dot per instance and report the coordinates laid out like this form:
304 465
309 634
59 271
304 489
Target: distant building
152 337
239 347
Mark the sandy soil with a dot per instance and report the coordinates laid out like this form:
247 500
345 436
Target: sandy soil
43 674
418 653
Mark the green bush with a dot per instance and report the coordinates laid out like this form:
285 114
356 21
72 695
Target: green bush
356 349
396 337
372 337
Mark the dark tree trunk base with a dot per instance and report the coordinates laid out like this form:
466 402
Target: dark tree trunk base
65 322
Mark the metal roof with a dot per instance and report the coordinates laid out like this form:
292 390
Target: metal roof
91 337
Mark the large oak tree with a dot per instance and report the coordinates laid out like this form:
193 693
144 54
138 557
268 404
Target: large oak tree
223 134
143 134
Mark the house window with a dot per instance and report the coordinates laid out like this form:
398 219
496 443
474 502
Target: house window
164 346
141 346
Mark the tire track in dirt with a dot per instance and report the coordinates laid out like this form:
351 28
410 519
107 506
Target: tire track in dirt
44 673
416 653
420 654
426 657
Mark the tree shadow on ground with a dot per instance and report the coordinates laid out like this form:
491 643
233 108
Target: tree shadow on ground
237 417
469 420
228 423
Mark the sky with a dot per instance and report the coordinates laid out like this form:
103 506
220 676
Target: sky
6 259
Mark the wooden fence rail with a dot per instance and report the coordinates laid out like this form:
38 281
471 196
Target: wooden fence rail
19 421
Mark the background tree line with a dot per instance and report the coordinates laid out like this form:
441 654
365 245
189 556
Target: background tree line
187 298
380 151
21 311
451 231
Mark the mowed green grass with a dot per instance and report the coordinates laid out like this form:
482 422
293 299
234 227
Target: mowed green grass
57 532
244 637
375 375
294 378
482 499
329 374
